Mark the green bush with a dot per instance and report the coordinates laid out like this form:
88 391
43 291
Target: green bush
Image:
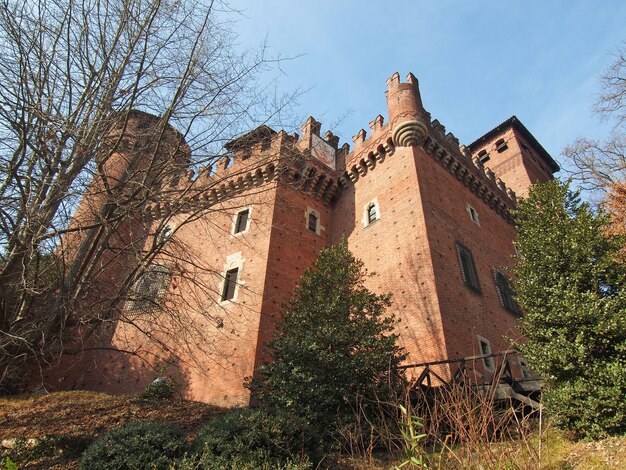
138 445
253 438
163 387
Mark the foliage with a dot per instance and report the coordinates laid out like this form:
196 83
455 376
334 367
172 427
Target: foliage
136 445
413 446
9 464
256 438
334 345
161 388
573 292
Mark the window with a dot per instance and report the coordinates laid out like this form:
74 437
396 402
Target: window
468 268
501 146
372 213
313 222
230 282
485 350
483 156
505 293
241 221
166 233
148 291
473 214
523 365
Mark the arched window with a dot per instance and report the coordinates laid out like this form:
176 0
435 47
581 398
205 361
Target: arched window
372 213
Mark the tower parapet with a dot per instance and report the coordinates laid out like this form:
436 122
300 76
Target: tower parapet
407 116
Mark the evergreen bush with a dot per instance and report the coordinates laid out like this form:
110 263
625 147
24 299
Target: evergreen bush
255 438
135 446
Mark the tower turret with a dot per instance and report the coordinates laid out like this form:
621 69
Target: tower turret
407 117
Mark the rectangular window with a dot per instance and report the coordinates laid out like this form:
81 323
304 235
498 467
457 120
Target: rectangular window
230 282
312 222
148 291
468 268
473 214
372 213
241 224
486 353
506 294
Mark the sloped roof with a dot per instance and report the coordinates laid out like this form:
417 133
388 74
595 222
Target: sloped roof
251 137
514 122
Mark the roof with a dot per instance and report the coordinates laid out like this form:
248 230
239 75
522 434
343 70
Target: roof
514 122
260 133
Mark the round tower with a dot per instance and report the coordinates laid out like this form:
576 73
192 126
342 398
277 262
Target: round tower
407 117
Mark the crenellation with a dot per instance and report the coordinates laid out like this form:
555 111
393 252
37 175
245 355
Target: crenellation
410 170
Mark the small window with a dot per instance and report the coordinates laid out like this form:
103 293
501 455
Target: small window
372 213
473 214
312 222
483 156
241 222
506 294
230 282
468 267
501 146
149 290
166 233
486 354
523 365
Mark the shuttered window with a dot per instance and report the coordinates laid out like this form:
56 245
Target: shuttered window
505 293
468 267
150 289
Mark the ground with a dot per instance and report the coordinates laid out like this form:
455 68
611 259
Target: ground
60 425
77 418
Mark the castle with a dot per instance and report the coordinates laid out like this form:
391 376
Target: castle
431 218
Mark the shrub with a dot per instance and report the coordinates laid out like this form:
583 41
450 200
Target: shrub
163 387
256 438
573 290
334 346
138 445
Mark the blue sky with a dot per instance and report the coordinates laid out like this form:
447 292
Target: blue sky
478 62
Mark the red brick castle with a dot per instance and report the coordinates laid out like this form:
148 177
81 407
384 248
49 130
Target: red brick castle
431 218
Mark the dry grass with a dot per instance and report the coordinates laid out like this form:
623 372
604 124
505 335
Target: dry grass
79 417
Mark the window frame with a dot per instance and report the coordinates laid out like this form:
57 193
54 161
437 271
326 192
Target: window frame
141 301
501 145
313 217
236 220
470 279
229 287
367 212
488 362
473 214
307 219
483 156
505 293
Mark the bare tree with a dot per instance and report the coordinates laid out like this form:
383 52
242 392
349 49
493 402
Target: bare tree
72 76
598 165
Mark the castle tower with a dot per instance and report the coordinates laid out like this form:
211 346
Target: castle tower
513 153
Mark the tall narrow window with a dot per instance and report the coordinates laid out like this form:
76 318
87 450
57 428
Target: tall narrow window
473 214
241 224
468 268
312 222
230 282
505 293
485 352
372 213
149 290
